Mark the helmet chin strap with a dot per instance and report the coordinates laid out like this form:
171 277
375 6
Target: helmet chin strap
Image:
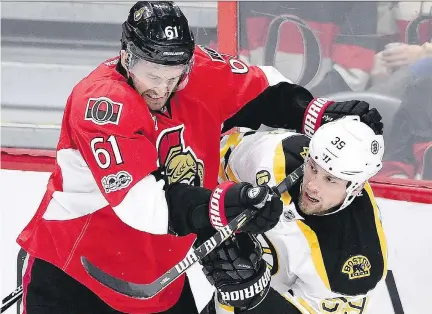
350 194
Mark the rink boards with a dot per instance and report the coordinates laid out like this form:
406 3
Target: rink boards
407 227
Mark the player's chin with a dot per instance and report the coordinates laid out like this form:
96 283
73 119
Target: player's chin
155 103
307 207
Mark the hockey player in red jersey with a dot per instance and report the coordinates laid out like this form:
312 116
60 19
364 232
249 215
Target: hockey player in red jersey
137 161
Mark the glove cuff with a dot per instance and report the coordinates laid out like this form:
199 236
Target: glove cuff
249 294
313 115
217 211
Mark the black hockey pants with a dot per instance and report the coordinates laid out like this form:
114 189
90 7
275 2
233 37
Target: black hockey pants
52 291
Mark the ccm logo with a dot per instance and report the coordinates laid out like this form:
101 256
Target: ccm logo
248 292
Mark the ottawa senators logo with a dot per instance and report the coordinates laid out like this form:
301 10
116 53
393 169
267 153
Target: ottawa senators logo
103 110
180 162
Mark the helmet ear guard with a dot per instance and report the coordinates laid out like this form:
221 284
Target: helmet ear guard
129 62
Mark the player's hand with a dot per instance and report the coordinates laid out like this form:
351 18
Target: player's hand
321 110
358 108
239 273
402 55
229 199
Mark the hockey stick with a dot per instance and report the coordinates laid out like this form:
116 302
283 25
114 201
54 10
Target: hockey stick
124 287
10 300
146 291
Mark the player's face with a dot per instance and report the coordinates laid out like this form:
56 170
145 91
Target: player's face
155 82
320 190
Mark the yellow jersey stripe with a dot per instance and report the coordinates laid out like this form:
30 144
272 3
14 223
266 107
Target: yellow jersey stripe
294 303
378 224
267 250
307 306
233 140
279 171
227 308
222 174
231 175
315 251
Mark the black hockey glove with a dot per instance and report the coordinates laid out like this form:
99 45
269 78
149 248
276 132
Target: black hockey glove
229 199
194 209
357 108
238 272
321 111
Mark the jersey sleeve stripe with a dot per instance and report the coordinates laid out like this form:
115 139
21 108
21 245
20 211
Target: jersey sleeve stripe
231 175
315 252
299 307
307 306
144 207
379 227
227 308
279 171
231 142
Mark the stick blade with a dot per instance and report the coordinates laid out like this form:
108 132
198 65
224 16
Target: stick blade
130 289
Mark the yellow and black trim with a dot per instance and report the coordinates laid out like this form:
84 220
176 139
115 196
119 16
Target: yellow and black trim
270 250
379 227
349 249
317 256
279 171
225 171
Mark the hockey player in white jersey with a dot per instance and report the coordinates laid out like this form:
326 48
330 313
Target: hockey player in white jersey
328 251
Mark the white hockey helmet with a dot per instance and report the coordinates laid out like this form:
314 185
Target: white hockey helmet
349 150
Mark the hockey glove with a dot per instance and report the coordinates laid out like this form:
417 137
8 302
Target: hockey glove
238 272
194 209
229 199
321 111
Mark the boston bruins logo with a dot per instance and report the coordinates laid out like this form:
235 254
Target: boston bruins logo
357 267
180 162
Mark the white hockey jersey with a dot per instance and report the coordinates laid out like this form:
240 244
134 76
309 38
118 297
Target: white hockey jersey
320 264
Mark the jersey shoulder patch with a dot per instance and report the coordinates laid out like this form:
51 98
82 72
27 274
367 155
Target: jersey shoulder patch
295 149
109 105
103 110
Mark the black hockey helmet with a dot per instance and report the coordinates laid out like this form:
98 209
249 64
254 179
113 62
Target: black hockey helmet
158 31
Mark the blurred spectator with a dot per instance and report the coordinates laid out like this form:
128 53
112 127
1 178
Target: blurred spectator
407 49
350 34
403 69
409 148
346 32
404 55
